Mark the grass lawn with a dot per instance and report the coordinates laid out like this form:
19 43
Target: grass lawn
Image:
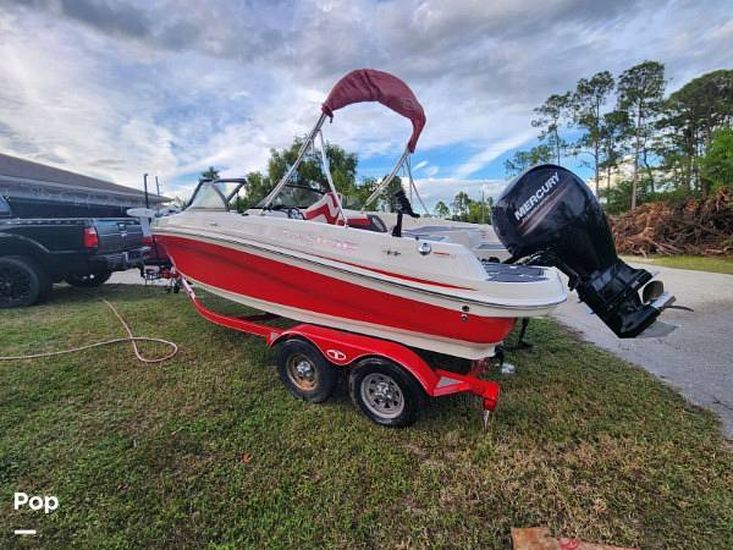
208 450
714 264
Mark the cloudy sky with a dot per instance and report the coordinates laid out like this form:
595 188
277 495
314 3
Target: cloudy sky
115 89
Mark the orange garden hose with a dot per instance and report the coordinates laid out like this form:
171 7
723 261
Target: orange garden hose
130 338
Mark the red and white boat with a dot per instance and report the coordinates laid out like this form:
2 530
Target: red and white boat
367 289
323 264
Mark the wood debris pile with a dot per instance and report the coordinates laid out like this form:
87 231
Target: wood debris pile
696 227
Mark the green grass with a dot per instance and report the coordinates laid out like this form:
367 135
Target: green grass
208 450
714 264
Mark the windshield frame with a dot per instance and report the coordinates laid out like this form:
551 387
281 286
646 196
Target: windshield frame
314 187
226 199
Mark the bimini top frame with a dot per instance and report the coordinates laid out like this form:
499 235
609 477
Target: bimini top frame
356 87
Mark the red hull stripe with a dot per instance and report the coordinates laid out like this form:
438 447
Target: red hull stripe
278 282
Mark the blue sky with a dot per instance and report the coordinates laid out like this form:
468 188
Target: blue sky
115 89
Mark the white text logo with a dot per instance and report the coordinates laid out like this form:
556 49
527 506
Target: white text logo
534 199
36 502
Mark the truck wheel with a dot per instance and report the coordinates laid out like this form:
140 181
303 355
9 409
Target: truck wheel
305 372
385 392
89 280
22 282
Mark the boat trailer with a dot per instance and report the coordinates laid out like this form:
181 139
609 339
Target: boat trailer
387 380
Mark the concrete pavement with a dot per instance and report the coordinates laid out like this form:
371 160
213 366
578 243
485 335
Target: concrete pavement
697 358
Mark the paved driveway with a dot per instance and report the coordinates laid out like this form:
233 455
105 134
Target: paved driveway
697 358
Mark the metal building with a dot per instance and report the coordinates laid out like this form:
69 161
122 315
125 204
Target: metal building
36 190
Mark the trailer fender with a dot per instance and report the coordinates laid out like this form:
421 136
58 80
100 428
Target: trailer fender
344 348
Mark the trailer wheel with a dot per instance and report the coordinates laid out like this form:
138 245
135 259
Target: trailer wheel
385 392
89 280
305 372
22 282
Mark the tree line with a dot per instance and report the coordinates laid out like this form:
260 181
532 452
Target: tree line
679 144
465 209
343 167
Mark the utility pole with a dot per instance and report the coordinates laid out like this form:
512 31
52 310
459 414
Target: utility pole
483 205
145 183
157 186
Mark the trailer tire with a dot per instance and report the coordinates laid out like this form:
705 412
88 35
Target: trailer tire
305 372
89 280
386 393
22 282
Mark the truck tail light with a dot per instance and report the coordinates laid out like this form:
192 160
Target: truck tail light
91 239
148 240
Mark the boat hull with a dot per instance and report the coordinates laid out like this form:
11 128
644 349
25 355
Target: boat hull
255 279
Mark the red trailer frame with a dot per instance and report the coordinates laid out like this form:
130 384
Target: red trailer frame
346 349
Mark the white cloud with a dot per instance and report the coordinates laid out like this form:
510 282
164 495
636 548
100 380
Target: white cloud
170 87
63 107
431 171
494 150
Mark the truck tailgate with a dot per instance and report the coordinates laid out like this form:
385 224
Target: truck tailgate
118 235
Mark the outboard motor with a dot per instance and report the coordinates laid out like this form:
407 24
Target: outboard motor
548 216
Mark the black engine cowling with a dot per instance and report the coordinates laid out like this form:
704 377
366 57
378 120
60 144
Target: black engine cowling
548 216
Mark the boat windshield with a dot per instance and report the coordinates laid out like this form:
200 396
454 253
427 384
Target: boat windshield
222 195
302 194
215 195
298 195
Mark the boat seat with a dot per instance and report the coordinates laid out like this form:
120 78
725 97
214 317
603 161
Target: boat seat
326 210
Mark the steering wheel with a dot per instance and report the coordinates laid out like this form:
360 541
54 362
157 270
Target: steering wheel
295 213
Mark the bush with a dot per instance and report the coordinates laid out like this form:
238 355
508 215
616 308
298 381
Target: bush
717 164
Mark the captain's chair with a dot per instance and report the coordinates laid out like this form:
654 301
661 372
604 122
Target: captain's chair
326 210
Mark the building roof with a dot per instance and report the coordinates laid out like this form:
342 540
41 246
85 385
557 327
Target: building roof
14 171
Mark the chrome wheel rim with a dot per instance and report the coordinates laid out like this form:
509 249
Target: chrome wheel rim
382 395
302 372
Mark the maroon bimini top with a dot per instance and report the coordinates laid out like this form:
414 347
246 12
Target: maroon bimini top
372 85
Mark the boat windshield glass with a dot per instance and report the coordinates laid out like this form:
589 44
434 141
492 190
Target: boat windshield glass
215 195
303 194
299 195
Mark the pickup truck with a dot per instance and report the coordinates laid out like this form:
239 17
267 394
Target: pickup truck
37 252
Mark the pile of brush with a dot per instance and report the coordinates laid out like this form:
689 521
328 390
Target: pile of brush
696 227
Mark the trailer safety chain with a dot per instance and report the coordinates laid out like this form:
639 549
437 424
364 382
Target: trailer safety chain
130 338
